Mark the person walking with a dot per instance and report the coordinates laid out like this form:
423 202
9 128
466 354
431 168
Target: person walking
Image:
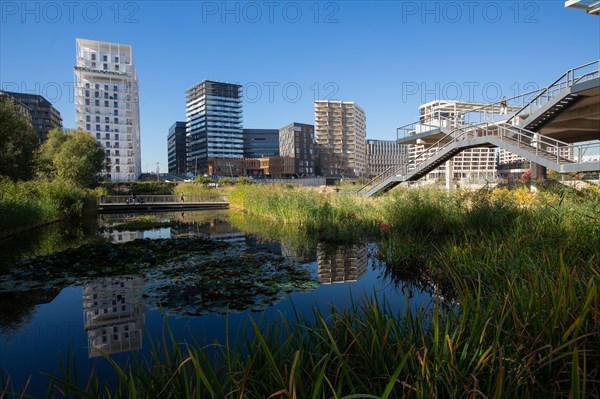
503 106
182 197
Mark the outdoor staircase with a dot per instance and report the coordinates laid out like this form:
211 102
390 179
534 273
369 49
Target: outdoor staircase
537 109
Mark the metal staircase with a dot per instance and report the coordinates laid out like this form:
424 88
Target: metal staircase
486 127
553 154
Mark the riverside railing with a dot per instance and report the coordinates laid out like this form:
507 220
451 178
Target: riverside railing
161 199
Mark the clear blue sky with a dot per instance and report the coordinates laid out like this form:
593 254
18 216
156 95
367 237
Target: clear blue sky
389 57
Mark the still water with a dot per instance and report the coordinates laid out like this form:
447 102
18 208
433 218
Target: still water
117 315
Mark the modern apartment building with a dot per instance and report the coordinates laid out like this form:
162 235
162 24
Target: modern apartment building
475 164
260 142
340 138
214 123
44 117
176 147
297 140
107 104
383 154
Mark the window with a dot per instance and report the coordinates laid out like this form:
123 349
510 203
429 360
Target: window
106 128
115 112
105 87
117 170
87 101
87 93
117 153
93 57
97 103
106 119
88 118
116 137
106 103
107 153
114 88
116 120
117 67
97 128
106 95
88 127
97 119
107 144
104 58
115 96
116 59
97 136
117 161
104 66
116 103
97 86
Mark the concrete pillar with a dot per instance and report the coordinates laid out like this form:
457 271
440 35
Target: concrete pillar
538 173
449 173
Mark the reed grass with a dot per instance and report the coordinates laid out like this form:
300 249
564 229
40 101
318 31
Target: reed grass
32 203
515 310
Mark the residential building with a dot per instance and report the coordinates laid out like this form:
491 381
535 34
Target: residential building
297 140
383 154
276 166
260 142
107 104
176 147
214 124
340 138
44 117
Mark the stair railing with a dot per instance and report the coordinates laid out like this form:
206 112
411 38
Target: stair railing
575 75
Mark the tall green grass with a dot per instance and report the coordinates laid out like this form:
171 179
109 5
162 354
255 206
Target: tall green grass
32 203
515 311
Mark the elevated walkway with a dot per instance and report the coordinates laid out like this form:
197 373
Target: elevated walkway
544 127
160 203
553 154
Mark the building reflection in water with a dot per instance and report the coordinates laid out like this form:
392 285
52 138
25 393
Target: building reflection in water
341 264
119 237
114 318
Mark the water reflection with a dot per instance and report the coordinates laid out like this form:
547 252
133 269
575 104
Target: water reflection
341 264
114 317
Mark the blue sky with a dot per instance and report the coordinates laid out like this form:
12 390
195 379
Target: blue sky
389 57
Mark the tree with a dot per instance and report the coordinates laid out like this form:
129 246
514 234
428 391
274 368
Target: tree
17 140
75 157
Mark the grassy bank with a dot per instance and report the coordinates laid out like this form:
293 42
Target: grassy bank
24 205
517 313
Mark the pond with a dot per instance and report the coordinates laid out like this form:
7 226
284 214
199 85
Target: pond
112 285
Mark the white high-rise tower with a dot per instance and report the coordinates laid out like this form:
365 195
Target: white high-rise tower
107 104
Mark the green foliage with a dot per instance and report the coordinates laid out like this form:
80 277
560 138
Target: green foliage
17 141
240 181
73 157
140 188
225 181
203 180
32 203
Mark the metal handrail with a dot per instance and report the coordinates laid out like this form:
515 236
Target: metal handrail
534 142
558 85
152 199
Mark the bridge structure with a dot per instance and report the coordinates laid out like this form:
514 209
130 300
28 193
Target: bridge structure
556 127
159 203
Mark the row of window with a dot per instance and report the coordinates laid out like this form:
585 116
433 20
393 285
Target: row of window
104 57
97 87
106 96
88 127
106 103
88 118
